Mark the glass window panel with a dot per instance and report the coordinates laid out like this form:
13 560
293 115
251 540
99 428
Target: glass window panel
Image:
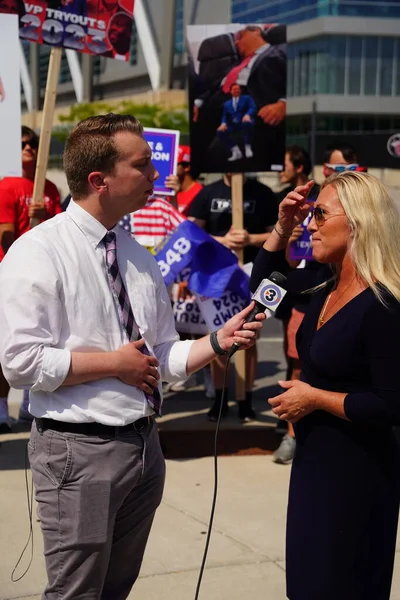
386 68
304 70
354 76
383 124
134 49
323 124
370 65
290 77
322 66
397 66
368 123
179 46
337 64
292 11
352 124
337 124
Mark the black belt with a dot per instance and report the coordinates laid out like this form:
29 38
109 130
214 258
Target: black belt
91 428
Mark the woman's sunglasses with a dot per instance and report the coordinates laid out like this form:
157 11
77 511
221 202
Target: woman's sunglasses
342 168
321 216
33 144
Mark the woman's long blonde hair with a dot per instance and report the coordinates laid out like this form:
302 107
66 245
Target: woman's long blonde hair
374 221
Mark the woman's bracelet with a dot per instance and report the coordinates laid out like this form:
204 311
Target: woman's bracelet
281 235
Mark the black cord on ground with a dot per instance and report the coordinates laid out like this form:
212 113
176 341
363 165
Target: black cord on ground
214 500
30 537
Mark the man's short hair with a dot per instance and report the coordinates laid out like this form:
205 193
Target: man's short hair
29 133
349 153
299 157
91 147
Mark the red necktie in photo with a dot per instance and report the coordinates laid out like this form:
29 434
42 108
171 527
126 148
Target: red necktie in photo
233 74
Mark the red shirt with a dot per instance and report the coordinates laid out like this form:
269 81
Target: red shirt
185 198
16 196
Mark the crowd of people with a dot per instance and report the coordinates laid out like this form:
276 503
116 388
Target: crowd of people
87 332
209 207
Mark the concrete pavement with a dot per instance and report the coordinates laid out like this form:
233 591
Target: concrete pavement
246 555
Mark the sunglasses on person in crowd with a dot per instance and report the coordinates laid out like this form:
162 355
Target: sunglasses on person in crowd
342 168
321 216
33 144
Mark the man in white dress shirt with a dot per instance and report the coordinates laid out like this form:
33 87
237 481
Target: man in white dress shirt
75 323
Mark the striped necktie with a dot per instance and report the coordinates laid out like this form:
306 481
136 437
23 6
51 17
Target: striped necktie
124 307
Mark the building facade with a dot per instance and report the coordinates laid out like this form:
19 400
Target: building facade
343 66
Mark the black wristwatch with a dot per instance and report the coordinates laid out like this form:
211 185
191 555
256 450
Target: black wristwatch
215 345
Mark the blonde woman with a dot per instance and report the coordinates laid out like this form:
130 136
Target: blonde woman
344 489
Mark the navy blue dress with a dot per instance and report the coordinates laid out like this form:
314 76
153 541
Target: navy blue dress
344 488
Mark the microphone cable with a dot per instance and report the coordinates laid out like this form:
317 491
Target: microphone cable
29 498
214 498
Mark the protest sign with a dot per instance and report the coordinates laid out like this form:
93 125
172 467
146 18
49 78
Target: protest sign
237 92
90 26
164 144
213 268
187 314
10 98
217 311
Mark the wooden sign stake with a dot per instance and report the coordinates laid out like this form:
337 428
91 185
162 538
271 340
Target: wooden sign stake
237 221
45 131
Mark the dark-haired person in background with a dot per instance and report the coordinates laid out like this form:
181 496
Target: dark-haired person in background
87 326
341 157
16 210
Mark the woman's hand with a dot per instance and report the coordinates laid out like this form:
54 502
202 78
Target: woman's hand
294 208
236 330
297 402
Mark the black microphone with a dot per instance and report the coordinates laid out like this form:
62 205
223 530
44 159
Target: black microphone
268 295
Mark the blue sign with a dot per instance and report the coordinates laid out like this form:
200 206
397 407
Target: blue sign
213 268
301 248
164 144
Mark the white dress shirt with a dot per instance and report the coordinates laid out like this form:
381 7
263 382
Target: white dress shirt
244 74
55 298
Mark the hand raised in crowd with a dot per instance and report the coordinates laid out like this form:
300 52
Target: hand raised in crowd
136 368
296 402
183 291
296 234
37 210
236 239
294 208
172 182
273 114
236 330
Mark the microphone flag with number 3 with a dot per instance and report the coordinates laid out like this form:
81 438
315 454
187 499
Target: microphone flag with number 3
213 268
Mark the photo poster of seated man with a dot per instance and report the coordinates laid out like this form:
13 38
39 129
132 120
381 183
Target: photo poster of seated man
10 98
237 97
100 27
